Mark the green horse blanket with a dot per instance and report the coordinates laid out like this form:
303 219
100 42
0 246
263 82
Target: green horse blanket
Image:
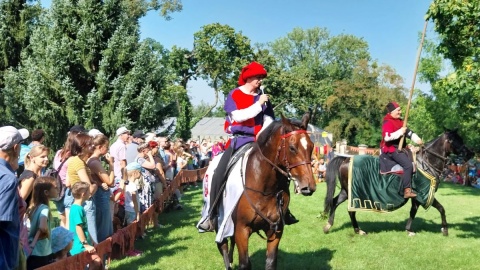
369 190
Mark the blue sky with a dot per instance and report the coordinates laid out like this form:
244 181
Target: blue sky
391 27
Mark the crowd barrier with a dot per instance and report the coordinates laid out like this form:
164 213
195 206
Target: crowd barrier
123 240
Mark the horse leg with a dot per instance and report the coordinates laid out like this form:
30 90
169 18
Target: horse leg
272 251
340 198
440 209
230 252
353 219
413 213
241 239
223 248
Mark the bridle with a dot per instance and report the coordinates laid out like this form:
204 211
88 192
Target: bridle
285 159
428 149
275 225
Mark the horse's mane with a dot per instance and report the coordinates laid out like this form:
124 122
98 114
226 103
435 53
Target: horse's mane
272 128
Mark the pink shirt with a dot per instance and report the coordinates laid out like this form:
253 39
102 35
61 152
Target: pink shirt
56 163
118 152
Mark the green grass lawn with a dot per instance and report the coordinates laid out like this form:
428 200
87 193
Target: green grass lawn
305 246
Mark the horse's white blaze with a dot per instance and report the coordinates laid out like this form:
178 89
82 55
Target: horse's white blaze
304 142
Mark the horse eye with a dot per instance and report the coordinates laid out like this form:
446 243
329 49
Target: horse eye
293 149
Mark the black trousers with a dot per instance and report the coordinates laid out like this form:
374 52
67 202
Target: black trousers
403 160
218 180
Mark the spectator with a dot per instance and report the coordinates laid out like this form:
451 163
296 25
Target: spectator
132 202
104 180
38 136
81 149
62 242
204 157
78 224
118 151
322 169
138 138
147 163
216 148
40 217
10 253
35 161
60 163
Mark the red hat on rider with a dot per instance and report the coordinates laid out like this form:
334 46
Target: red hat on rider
392 106
251 70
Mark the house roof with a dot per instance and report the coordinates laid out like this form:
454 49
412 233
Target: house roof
212 127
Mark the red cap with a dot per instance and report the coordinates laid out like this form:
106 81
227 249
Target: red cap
251 70
391 106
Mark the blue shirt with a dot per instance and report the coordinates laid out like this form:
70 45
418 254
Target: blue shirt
9 217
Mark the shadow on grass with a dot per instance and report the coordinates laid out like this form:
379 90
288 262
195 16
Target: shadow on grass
466 229
318 260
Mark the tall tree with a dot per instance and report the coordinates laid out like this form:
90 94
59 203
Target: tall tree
86 65
220 53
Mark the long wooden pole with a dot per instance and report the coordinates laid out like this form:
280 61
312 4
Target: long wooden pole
419 53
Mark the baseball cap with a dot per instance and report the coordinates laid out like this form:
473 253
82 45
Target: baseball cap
139 134
94 132
133 166
122 130
78 129
61 237
10 136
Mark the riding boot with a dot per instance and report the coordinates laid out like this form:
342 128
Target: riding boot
408 193
289 218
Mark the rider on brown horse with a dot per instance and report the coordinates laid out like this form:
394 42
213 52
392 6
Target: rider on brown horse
248 112
392 131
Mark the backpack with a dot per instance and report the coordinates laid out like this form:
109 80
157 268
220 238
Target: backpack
52 172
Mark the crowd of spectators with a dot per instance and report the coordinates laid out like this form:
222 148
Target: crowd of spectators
101 183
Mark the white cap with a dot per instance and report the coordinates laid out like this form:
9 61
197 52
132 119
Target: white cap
94 132
122 130
9 136
150 137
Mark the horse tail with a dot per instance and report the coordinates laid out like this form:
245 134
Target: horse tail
333 169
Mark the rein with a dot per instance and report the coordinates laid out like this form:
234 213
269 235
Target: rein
280 202
427 150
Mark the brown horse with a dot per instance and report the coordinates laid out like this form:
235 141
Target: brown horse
282 153
431 158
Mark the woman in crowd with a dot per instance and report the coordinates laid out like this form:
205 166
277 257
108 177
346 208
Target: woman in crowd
81 149
35 161
104 180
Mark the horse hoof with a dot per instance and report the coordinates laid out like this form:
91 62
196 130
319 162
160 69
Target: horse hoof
410 233
327 227
444 231
360 232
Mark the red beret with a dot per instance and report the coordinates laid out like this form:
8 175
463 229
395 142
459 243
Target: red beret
251 70
152 144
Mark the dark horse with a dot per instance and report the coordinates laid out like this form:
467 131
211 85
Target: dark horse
281 154
431 158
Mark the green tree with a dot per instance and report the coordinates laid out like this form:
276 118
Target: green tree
86 65
220 53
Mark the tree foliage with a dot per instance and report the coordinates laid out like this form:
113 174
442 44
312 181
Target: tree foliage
86 65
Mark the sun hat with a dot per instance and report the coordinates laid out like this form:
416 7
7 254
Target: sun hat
94 132
392 106
61 237
251 70
150 136
133 166
122 130
10 136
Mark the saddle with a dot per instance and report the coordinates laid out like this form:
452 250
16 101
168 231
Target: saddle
236 157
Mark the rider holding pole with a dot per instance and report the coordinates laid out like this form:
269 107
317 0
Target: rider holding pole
393 129
248 112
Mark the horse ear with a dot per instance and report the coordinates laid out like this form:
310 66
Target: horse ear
285 121
305 119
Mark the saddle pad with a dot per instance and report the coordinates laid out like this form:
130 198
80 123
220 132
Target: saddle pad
368 190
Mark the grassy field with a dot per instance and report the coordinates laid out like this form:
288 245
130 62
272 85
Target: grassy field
305 246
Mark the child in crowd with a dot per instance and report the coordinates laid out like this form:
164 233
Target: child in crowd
132 202
78 224
40 217
62 242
